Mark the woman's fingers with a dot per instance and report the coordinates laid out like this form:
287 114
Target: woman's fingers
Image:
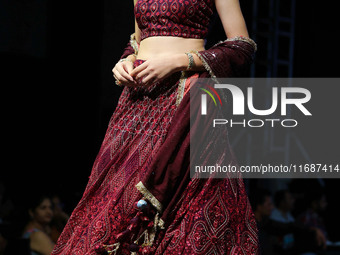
148 80
139 69
118 76
122 69
123 80
128 67
120 72
144 74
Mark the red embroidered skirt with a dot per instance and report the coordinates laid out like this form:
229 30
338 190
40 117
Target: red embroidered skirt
207 217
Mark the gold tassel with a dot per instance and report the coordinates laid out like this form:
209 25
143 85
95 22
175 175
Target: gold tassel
150 237
114 251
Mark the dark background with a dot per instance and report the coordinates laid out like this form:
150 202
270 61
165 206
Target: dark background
58 92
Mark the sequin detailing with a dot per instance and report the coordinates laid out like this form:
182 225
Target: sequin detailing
183 18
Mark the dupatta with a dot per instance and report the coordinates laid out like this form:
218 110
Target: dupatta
169 172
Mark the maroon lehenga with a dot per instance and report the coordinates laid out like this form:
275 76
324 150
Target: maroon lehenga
145 156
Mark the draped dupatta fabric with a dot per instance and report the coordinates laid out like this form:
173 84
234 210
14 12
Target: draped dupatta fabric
131 47
170 172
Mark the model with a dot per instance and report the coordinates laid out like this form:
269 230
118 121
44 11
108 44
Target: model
140 198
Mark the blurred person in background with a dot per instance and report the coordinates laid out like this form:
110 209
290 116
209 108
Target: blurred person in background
284 204
60 218
38 230
316 205
269 229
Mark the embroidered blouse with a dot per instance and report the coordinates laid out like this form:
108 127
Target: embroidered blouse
182 18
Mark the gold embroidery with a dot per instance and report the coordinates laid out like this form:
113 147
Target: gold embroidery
240 38
161 224
149 237
205 64
236 38
134 43
181 87
114 251
147 194
244 39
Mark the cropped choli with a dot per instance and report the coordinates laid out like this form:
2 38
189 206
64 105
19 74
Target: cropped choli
182 18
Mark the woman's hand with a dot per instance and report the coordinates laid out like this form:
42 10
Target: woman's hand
121 72
156 69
